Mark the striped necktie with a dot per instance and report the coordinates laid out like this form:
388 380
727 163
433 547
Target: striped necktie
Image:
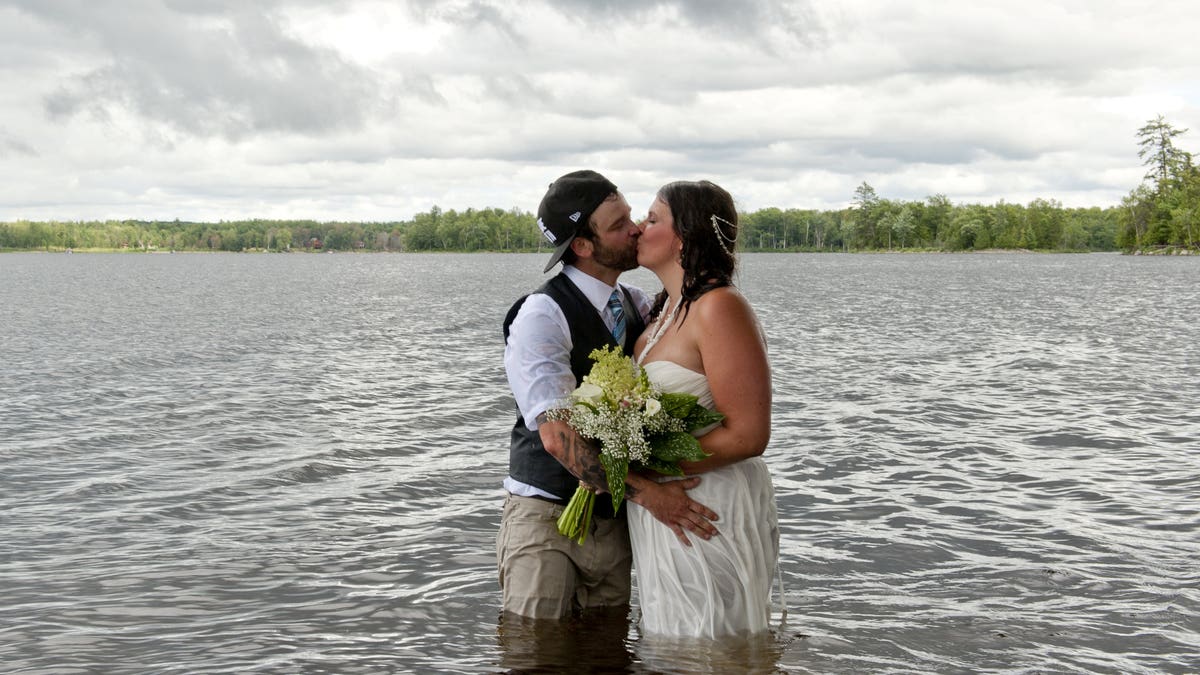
618 313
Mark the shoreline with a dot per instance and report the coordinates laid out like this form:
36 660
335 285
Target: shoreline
1164 251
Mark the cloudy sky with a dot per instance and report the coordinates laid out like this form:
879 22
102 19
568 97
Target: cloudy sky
363 110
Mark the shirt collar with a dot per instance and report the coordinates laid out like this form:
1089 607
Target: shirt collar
597 292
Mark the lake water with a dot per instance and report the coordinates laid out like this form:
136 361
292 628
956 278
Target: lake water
292 464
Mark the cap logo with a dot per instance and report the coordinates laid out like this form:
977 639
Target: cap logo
576 216
546 232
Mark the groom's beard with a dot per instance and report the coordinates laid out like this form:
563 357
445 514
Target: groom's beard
623 259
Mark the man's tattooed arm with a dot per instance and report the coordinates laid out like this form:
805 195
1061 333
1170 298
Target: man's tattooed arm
582 458
578 455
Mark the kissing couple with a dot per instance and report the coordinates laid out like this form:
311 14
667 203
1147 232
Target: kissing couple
698 336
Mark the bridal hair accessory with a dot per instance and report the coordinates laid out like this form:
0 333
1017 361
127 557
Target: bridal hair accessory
721 238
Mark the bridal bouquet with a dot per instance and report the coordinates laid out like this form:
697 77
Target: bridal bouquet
638 427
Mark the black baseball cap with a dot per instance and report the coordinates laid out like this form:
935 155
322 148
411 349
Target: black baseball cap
568 205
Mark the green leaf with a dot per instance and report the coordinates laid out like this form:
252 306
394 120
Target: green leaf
700 417
676 446
617 471
662 466
678 405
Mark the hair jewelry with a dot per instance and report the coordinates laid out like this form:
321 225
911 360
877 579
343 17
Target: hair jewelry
721 238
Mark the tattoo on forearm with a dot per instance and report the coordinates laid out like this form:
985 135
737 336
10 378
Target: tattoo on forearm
583 460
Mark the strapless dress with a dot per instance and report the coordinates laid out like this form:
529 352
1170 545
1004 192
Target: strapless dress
717 587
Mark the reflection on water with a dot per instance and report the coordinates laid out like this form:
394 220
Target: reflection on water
596 641
756 654
610 642
291 463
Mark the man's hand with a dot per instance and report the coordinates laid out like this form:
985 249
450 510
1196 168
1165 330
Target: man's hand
669 504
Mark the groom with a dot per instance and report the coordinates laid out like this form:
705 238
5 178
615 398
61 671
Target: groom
548 337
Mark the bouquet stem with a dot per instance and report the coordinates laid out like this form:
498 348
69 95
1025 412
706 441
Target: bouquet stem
576 519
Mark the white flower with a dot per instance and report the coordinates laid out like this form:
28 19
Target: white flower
588 392
652 407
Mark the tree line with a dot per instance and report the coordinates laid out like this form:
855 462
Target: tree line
871 224
1160 213
935 224
486 229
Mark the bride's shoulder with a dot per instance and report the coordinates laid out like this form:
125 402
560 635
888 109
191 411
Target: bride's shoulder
726 313
720 303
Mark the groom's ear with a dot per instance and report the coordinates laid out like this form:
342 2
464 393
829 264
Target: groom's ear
582 247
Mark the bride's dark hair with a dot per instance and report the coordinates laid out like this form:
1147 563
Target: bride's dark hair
708 243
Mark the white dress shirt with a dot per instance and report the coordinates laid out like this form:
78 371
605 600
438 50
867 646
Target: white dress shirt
537 356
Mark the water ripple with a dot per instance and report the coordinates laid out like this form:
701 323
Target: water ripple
292 463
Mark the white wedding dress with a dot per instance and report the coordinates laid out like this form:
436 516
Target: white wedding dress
718 587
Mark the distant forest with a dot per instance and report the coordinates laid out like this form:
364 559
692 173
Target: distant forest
1162 214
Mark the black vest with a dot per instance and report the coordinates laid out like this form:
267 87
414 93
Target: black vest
528 460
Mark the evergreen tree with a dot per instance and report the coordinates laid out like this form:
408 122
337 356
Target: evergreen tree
1158 152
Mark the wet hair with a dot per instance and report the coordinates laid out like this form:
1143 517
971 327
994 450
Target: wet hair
707 255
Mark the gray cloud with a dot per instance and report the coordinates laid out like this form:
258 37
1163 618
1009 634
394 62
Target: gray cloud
359 108
744 19
515 90
14 147
206 69
477 16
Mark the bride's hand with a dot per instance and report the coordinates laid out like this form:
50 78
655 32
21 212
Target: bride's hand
669 503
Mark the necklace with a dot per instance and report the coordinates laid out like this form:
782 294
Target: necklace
663 325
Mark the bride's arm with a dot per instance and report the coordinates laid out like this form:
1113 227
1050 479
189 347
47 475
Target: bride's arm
732 350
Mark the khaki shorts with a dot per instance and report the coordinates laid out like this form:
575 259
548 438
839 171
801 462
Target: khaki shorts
545 575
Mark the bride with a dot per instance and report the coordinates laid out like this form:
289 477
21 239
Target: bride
706 341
